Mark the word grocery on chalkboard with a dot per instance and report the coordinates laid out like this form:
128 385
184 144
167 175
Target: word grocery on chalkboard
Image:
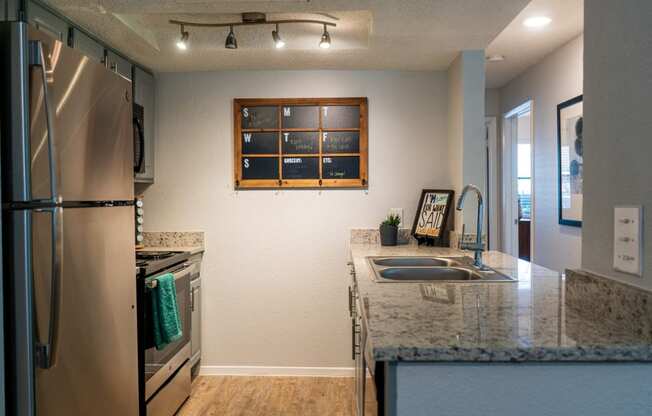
301 143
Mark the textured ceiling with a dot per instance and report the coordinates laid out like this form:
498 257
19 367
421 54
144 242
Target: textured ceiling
523 47
412 35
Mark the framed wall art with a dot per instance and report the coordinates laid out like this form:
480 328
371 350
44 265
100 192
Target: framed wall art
570 126
431 224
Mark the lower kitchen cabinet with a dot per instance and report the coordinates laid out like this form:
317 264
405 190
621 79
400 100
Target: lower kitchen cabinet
368 375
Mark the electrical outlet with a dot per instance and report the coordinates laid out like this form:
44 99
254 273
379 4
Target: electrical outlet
397 211
628 238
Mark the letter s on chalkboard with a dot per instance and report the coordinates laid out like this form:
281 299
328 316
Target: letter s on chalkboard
245 112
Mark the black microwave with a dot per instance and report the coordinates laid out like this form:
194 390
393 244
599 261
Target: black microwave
139 138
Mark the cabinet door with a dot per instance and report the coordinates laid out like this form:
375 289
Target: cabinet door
118 64
46 21
195 326
87 45
361 370
145 95
9 10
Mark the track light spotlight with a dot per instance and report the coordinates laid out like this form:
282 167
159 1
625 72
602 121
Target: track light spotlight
278 42
325 42
182 43
231 41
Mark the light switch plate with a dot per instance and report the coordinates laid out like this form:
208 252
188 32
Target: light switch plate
628 239
397 211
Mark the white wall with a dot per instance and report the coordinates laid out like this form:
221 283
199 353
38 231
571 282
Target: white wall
618 125
274 274
557 78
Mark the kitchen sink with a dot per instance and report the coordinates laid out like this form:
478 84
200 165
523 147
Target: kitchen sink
428 273
416 262
407 269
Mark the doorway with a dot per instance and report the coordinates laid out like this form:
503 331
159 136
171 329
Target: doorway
518 182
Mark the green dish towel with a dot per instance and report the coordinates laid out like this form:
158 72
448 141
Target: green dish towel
166 323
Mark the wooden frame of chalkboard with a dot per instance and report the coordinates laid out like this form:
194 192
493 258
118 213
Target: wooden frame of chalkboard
300 143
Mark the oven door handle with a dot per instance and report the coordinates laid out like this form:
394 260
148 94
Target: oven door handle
178 273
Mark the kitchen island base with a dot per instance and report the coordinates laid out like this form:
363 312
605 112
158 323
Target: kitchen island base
504 389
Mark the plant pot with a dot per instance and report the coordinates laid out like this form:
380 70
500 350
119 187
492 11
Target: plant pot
388 235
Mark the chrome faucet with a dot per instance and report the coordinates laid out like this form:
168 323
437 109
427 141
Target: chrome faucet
478 247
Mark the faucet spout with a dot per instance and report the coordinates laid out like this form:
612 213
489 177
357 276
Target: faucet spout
478 247
467 188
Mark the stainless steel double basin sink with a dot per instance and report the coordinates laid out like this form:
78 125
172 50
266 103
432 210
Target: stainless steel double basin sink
432 269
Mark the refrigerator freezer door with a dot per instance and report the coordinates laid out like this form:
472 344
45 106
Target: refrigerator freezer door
95 369
91 112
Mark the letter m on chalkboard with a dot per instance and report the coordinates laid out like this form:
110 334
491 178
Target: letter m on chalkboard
287 112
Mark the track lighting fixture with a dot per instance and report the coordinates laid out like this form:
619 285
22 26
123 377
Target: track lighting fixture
183 41
278 42
231 41
325 42
250 19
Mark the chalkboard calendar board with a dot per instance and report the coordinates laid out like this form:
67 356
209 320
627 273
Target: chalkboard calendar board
301 143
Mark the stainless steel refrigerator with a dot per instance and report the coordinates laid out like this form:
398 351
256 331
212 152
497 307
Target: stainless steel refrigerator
69 273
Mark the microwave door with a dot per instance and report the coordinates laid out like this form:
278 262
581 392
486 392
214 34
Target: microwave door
139 139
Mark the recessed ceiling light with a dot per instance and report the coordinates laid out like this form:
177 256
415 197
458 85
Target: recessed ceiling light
537 22
495 58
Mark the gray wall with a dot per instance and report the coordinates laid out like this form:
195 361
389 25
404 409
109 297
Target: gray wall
274 273
466 127
618 123
557 78
492 102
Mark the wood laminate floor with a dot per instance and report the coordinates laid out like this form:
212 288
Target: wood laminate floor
269 396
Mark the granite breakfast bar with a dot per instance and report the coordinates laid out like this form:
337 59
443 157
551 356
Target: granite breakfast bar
546 344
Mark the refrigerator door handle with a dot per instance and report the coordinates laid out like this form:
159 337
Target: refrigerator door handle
46 352
37 60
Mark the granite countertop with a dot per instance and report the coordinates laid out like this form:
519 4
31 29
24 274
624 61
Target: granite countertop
188 241
191 249
545 316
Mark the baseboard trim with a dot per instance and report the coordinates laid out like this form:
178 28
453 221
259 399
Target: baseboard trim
227 370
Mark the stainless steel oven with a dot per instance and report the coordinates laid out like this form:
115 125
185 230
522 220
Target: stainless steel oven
167 371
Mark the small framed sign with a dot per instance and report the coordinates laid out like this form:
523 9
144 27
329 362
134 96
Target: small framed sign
431 223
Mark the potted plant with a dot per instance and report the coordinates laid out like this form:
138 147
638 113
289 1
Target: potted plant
389 230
